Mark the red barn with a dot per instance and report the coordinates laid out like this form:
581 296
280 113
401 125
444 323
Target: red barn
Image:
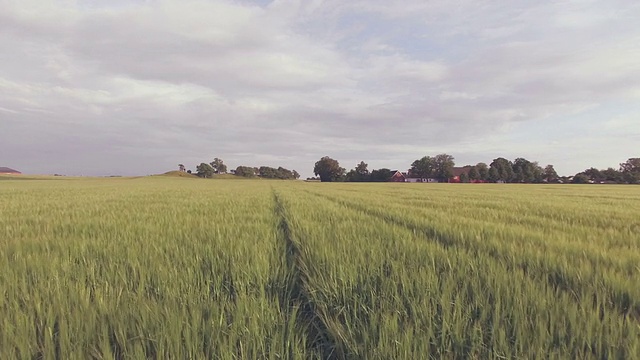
398 177
457 173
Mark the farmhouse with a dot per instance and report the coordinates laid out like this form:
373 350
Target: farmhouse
8 171
398 176
456 177
421 180
457 173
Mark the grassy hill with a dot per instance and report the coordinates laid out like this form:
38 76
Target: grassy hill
232 177
176 173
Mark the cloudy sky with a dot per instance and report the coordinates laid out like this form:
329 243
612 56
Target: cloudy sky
100 87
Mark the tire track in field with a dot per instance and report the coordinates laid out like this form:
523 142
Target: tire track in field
320 337
620 302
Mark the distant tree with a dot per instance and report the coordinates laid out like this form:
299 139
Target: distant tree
362 169
328 169
631 165
352 176
521 173
525 171
181 168
493 175
188 171
630 170
613 175
464 178
483 171
593 174
538 173
381 175
424 167
580 179
204 170
245 171
550 174
504 169
218 166
359 173
518 176
444 167
473 173
268 172
284 174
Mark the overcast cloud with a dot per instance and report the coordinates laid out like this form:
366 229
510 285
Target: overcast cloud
135 87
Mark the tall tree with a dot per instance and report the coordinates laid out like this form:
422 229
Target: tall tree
268 172
245 171
631 165
593 174
381 175
328 169
503 168
631 170
473 173
359 173
361 168
525 171
580 178
181 168
483 171
444 166
218 166
613 175
493 175
204 170
424 167
284 174
538 173
352 176
550 174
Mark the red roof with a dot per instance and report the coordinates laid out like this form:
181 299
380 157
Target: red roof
457 171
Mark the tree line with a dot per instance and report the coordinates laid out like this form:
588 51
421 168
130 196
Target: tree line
627 173
217 166
441 168
267 172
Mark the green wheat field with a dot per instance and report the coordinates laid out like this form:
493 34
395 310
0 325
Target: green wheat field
179 268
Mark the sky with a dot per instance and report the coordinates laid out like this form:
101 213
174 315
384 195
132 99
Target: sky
104 87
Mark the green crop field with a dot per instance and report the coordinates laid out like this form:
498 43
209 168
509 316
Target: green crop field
183 268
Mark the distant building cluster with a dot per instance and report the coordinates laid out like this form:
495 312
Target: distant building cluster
458 175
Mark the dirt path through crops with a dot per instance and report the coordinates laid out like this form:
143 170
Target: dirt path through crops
309 316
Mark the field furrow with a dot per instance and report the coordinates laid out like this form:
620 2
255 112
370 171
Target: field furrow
386 287
309 317
576 274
